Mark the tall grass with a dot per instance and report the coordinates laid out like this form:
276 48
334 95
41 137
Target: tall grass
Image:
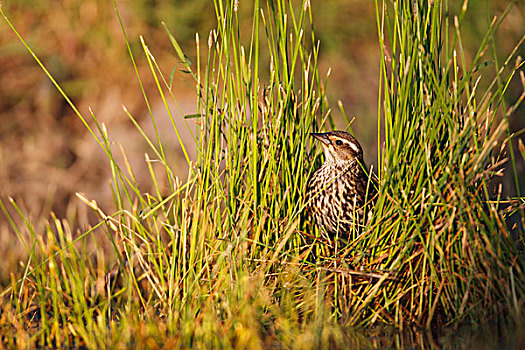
438 235
226 259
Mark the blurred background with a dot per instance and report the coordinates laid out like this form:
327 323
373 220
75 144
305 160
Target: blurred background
47 154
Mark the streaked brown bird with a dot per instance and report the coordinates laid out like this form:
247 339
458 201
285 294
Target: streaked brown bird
338 191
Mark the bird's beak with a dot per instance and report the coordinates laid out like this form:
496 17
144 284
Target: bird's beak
321 136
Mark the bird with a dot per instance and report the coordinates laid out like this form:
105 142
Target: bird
337 192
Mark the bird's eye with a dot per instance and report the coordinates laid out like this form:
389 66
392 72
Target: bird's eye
339 142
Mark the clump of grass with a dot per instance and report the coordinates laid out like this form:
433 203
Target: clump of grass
217 261
438 239
225 258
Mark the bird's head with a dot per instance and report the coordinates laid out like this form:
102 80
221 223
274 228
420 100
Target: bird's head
339 146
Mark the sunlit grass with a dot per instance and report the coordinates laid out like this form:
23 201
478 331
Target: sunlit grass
226 257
